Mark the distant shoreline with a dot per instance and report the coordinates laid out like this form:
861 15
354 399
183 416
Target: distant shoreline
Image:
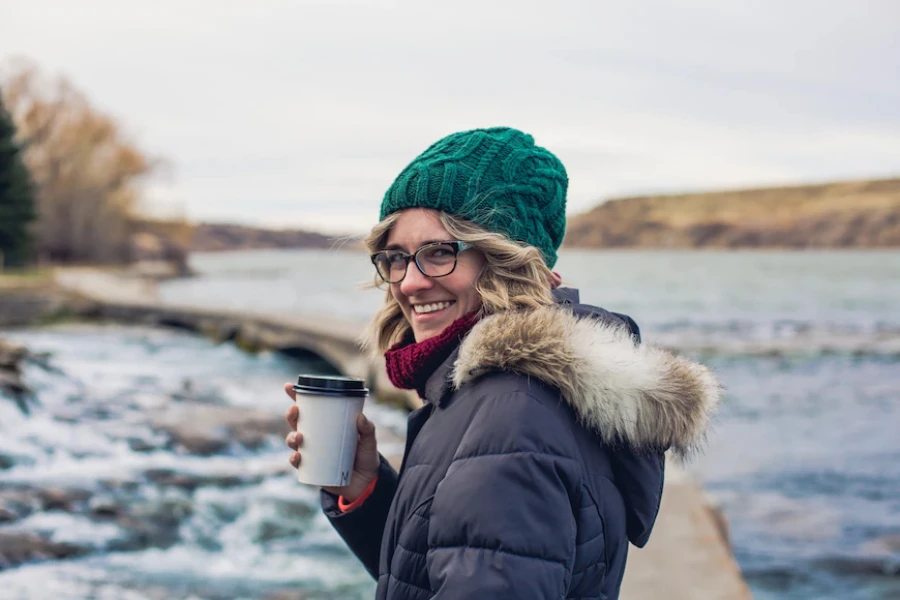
838 216
612 250
842 215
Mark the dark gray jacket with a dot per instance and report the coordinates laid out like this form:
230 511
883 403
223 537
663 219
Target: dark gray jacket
537 456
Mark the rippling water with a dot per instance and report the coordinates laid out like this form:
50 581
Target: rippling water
805 457
113 464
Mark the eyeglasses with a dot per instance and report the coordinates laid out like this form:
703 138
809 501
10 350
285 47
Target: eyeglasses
437 259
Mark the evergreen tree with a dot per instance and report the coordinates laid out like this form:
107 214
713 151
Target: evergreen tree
17 207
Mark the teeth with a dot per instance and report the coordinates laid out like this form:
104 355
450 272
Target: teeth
421 309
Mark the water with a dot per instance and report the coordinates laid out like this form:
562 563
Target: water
804 458
143 511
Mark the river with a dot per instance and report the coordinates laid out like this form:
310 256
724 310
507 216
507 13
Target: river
128 459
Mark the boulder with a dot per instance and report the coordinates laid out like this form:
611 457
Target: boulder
207 429
189 482
11 384
887 545
17 548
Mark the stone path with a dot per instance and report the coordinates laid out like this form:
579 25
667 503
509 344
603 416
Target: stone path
688 556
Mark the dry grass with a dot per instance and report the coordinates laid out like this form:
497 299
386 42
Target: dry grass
853 213
28 278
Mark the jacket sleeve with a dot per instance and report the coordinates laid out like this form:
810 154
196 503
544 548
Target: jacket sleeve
362 528
502 524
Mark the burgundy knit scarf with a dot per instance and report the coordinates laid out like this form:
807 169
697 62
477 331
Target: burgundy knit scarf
410 364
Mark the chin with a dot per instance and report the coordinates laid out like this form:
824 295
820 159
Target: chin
423 334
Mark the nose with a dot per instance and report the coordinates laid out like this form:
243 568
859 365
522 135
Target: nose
415 281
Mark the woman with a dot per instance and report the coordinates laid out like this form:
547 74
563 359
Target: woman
538 452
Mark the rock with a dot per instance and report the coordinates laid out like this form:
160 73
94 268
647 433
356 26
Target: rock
12 384
208 429
64 499
17 503
30 304
7 515
23 500
290 520
151 525
139 445
17 548
860 566
288 594
887 545
144 522
169 478
12 357
104 507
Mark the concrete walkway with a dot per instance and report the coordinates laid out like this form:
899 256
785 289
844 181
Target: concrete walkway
106 285
688 557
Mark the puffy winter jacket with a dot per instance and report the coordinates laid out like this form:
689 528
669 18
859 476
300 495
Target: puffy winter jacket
537 456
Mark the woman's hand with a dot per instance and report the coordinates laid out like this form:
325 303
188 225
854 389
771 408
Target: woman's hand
365 466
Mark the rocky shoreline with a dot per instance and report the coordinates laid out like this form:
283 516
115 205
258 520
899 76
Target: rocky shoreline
135 519
12 384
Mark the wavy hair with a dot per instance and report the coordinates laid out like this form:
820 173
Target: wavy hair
514 276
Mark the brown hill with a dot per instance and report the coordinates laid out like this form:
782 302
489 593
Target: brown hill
862 214
162 247
209 237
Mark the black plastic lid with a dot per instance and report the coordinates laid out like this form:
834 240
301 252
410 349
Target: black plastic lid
331 384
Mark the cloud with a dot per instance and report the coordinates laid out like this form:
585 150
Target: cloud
303 112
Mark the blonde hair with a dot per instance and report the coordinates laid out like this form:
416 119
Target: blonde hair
514 276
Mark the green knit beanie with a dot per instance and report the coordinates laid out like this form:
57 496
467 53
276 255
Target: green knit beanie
494 177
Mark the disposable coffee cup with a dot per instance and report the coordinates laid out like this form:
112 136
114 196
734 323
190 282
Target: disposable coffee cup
328 407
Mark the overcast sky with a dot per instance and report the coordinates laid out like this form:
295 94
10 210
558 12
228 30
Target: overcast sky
300 113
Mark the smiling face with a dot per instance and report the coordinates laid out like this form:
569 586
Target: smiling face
430 304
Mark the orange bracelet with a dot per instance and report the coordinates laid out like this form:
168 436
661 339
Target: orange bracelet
347 507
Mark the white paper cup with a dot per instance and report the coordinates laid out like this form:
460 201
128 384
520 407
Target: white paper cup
328 407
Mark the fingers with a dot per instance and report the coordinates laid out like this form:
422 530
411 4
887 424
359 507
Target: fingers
292 415
365 426
366 430
294 440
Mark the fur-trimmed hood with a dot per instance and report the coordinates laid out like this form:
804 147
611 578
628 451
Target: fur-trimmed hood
637 395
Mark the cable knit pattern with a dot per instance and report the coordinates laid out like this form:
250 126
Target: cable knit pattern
410 364
497 178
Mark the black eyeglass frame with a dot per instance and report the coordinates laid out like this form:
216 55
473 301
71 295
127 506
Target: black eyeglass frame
457 246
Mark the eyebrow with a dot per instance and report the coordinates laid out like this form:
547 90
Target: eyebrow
400 247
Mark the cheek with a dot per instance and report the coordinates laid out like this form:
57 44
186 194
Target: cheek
398 296
469 299
474 301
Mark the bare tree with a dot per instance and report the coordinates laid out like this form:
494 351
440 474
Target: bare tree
87 173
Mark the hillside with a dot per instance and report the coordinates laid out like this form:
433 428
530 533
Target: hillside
210 237
161 248
863 214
